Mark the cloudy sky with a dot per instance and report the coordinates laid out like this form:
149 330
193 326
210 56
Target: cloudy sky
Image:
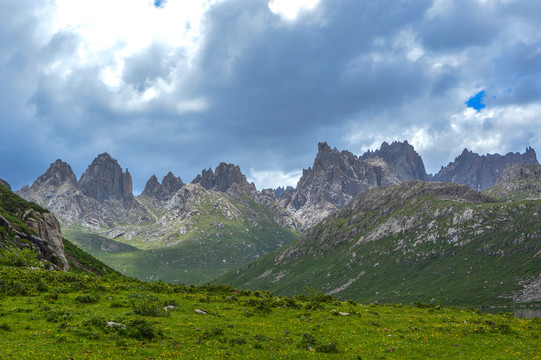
182 85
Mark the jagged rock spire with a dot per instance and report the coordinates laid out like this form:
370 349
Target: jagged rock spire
223 178
104 180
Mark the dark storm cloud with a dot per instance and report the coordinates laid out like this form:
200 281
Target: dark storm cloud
262 91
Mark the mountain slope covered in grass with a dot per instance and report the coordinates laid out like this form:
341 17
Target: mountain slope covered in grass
418 241
202 235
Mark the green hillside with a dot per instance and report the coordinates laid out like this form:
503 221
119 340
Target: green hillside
17 249
221 233
428 242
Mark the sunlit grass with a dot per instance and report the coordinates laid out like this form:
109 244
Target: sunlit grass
66 315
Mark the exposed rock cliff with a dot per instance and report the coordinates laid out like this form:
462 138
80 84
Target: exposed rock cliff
27 225
47 228
58 190
518 182
482 171
403 158
162 192
332 182
223 178
104 180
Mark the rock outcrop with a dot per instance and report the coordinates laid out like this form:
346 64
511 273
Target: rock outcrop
5 184
162 191
224 176
403 158
518 182
332 182
47 228
482 171
58 190
40 233
104 180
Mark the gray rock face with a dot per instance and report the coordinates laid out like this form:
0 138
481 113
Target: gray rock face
59 191
48 229
403 158
517 172
518 182
164 191
223 178
5 184
482 171
104 180
332 182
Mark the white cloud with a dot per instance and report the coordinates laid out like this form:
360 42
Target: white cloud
111 31
440 7
290 9
274 178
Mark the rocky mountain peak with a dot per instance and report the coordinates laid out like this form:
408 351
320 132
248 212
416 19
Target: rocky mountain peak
224 176
169 186
172 183
517 172
482 171
104 179
58 174
403 158
334 179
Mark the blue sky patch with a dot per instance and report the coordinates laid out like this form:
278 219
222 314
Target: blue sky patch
476 101
159 3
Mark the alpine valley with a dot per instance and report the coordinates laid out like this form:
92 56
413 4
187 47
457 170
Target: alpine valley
371 228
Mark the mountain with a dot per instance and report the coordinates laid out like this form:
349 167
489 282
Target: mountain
417 241
223 178
101 198
332 182
482 171
163 191
518 182
26 226
104 179
173 231
403 158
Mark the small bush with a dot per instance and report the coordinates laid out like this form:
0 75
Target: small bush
87 299
331 348
5 327
307 341
149 307
238 341
41 286
142 330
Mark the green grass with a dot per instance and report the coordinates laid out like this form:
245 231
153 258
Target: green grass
70 315
207 250
478 269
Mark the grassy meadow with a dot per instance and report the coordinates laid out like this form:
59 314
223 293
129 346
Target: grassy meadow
57 315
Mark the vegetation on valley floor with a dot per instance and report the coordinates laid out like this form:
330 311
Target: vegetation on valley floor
83 316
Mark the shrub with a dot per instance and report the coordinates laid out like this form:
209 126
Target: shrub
307 341
19 258
149 306
142 330
87 299
331 348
